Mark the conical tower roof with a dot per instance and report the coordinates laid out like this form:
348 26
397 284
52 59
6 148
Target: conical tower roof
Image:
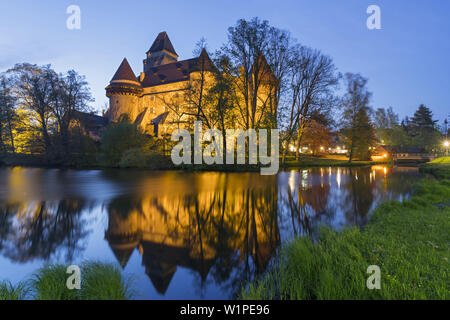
124 73
122 255
162 42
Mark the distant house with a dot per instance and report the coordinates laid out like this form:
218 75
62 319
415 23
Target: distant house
408 154
89 123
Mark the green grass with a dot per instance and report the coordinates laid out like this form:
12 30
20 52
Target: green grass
439 168
104 282
99 281
409 241
10 292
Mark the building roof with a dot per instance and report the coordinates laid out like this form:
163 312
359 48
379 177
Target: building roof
162 42
90 120
124 72
176 71
401 149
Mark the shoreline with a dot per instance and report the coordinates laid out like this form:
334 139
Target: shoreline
36 161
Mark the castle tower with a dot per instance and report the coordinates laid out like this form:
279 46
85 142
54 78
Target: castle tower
161 52
123 92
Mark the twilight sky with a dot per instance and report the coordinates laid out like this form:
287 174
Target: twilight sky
406 62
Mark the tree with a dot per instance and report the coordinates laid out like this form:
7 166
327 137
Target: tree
387 126
118 138
8 116
70 94
33 90
317 137
422 129
357 127
312 80
247 49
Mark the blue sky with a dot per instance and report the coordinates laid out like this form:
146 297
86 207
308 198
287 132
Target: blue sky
406 62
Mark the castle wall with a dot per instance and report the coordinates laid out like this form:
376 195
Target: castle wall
121 103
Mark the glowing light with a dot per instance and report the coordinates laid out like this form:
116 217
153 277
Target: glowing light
446 143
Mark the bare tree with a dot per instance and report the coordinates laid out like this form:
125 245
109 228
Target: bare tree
313 78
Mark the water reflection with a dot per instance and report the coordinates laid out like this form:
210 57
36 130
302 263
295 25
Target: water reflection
208 231
223 228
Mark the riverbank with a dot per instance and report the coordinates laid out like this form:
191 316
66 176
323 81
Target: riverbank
408 240
165 163
440 168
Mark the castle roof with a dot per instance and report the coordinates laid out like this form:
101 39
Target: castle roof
162 42
124 72
176 71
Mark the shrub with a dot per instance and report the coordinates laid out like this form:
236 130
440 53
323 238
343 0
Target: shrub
118 138
138 158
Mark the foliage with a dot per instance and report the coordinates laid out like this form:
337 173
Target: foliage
356 124
317 137
117 138
138 158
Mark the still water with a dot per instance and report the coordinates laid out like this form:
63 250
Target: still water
179 235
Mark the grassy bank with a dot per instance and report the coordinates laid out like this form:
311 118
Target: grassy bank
99 281
328 162
408 240
440 168
158 162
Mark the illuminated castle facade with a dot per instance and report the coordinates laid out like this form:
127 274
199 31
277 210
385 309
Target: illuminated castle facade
155 99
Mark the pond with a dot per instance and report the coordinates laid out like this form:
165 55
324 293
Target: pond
179 235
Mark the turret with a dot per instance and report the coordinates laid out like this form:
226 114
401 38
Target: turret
161 52
123 92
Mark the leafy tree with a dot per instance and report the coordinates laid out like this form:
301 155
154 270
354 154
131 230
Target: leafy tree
8 115
317 137
357 127
247 49
118 138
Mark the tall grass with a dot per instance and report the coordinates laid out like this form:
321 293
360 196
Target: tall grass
99 281
10 292
409 241
104 282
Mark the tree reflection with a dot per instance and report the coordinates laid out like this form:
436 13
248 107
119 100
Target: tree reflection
359 196
42 229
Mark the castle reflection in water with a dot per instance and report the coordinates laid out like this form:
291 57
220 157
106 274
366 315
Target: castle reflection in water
226 226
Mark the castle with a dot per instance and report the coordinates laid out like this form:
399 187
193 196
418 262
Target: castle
154 100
